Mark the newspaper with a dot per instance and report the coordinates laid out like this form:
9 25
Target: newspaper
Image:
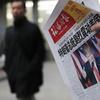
76 48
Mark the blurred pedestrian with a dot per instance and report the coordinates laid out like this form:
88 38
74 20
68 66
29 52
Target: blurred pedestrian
25 53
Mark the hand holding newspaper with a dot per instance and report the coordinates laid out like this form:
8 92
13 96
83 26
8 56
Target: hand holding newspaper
76 47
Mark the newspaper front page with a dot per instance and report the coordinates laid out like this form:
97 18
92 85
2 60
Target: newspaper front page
76 48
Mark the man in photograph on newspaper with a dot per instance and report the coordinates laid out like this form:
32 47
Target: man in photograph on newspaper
96 41
96 27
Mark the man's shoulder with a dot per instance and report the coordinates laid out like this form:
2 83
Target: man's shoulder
33 27
9 31
32 24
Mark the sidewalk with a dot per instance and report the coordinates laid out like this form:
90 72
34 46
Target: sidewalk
52 89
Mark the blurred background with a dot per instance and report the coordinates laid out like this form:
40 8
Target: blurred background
38 11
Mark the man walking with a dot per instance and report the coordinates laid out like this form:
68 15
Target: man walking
25 53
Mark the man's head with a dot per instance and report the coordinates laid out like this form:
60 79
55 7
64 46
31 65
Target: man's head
18 8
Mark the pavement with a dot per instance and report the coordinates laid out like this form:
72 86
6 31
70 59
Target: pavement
52 89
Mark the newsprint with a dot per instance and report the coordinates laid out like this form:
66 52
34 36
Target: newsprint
76 48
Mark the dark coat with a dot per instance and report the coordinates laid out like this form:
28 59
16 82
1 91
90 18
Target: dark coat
25 53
